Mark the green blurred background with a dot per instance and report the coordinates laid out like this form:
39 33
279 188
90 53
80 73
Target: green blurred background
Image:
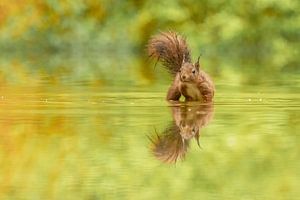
78 97
241 41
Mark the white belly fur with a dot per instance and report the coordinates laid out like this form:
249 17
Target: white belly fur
193 91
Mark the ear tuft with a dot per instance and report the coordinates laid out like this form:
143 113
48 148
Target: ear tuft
197 64
183 59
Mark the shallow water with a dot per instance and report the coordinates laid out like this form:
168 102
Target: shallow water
80 142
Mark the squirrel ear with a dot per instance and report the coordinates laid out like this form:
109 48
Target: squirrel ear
197 64
183 59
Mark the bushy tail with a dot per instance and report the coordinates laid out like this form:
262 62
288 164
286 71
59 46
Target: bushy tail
169 48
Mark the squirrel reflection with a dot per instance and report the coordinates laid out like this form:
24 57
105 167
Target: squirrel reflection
173 142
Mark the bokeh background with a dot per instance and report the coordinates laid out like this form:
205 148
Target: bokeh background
241 41
79 96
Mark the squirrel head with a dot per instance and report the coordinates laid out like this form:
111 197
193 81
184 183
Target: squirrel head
188 128
189 71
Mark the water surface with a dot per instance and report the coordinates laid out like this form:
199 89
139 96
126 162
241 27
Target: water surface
81 141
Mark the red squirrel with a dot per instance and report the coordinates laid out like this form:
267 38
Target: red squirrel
189 79
188 121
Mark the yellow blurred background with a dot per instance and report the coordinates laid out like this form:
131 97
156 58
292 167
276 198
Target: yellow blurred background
79 96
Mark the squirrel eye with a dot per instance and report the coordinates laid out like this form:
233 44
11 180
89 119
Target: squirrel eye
194 71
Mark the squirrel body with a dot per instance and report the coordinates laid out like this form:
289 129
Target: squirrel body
188 121
189 78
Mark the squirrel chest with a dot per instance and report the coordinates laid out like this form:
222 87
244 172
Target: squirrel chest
190 91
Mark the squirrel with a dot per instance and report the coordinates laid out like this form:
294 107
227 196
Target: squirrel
189 79
188 121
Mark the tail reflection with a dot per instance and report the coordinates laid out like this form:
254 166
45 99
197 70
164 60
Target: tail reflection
173 142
